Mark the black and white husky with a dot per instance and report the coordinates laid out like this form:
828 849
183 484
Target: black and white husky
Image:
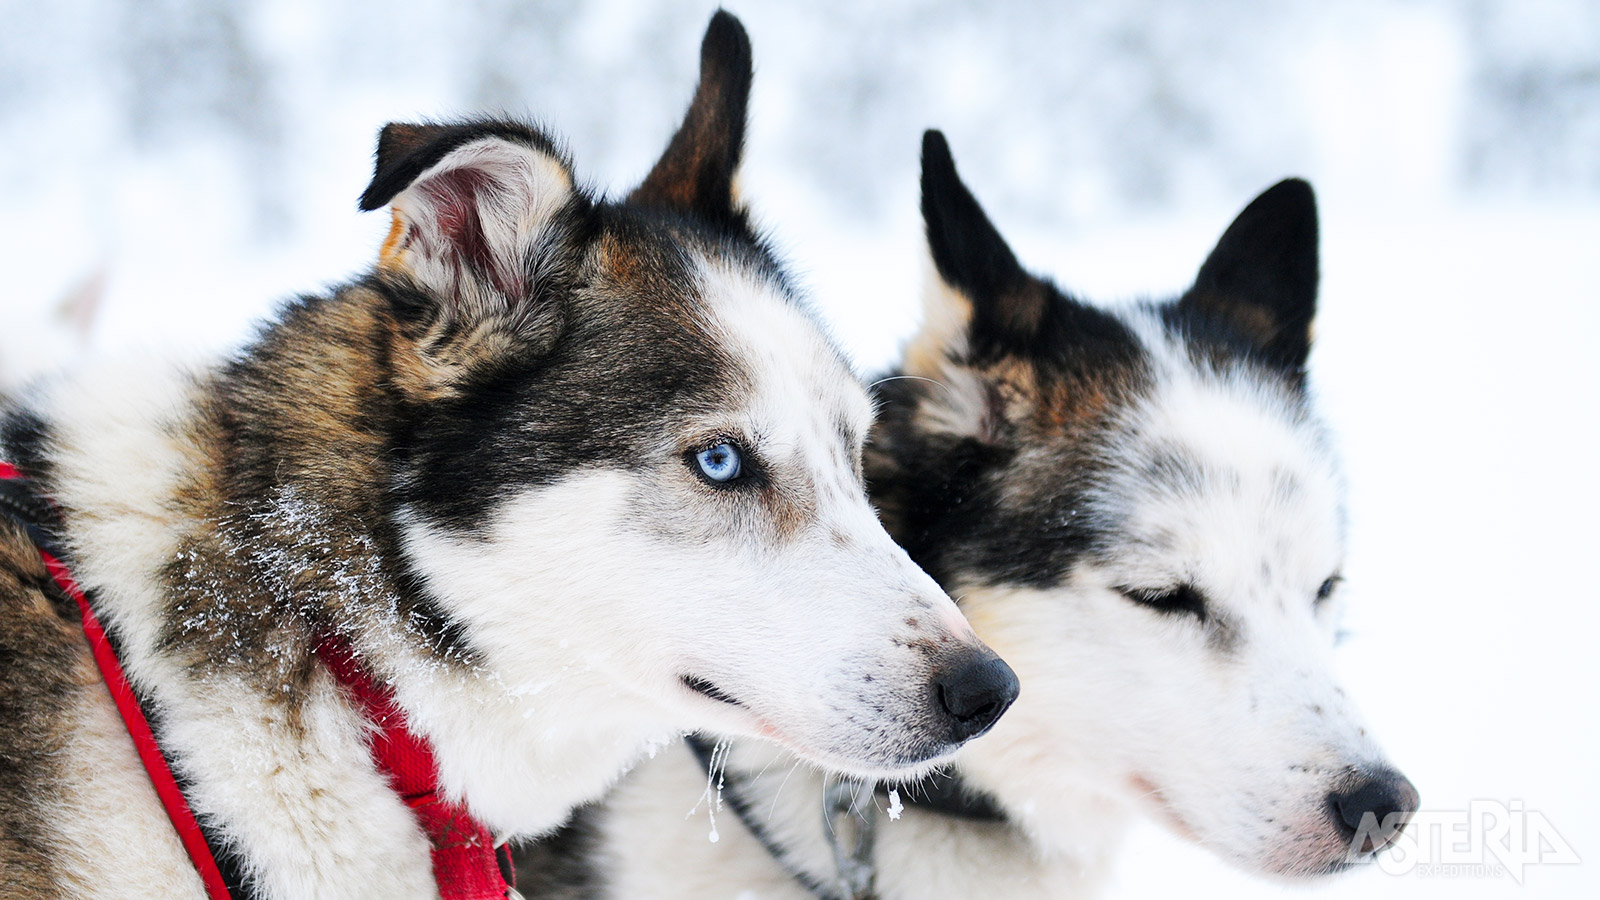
571 476
1138 509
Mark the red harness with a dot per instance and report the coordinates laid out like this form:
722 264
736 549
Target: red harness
466 862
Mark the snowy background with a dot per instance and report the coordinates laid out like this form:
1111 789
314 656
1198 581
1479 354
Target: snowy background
171 169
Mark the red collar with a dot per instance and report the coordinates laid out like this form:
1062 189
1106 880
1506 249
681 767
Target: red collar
466 863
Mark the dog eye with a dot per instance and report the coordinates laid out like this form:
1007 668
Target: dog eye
720 463
1183 599
1325 590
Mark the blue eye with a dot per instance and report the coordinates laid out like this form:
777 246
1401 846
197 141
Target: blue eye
720 462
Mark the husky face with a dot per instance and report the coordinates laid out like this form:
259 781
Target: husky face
1139 511
635 455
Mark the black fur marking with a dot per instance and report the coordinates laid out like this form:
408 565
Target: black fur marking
447 637
937 494
696 172
624 373
1178 600
24 441
20 503
972 257
966 506
1013 313
1054 373
1261 280
406 151
707 689
947 794
566 865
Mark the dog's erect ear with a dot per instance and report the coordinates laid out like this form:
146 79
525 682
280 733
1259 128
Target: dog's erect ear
984 294
994 335
471 203
696 172
1262 277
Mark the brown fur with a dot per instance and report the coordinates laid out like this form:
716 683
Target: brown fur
697 171
313 407
45 669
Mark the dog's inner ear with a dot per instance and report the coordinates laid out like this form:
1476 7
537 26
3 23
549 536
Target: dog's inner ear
983 302
471 204
696 173
1261 279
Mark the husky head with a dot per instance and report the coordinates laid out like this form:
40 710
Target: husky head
1140 512
635 461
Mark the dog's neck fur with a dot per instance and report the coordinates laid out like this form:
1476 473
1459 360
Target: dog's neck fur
216 537
1060 847
1060 840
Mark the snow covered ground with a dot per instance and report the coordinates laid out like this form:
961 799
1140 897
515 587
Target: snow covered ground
183 165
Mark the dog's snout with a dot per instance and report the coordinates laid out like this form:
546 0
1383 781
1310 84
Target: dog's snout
973 692
1372 811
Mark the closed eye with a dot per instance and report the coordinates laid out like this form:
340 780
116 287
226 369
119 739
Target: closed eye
1177 600
1326 589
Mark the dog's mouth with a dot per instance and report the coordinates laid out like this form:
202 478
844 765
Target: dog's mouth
898 768
707 689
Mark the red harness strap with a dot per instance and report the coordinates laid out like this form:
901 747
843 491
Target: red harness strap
466 864
144 741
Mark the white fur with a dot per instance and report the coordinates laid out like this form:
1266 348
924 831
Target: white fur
1234 738
525 188
320 822
588 599
591 597
116 838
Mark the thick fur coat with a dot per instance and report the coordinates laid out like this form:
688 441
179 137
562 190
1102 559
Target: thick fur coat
1139 509
570 475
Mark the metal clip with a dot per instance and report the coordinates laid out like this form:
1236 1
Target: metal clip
850 825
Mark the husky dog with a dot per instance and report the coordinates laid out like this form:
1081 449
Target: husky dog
1139 511
569 476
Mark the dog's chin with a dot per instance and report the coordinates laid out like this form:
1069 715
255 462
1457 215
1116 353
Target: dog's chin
1312 852
725 715
1296 868
1306 857
1304 852
901 769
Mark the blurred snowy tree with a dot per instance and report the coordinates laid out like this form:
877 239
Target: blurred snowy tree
1074 110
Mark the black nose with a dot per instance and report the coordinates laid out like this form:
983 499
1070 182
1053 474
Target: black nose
1372 811
973 692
